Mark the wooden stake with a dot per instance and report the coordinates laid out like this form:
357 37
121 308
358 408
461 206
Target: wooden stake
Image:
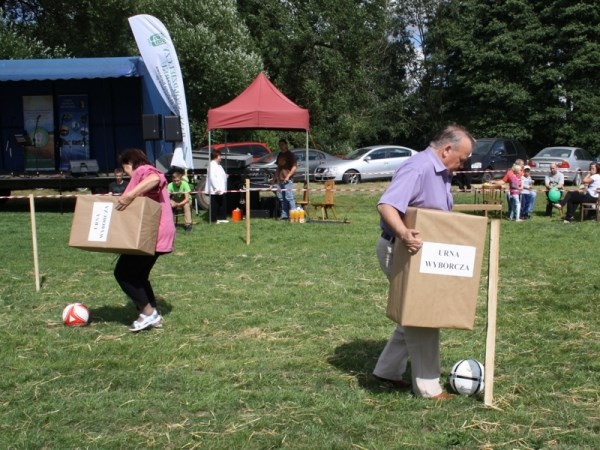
36 267
247 211
490 343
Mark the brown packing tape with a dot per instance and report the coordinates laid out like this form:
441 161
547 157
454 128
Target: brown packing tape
453 251
99 227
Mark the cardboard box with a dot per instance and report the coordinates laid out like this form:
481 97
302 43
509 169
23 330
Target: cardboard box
438 286
99 227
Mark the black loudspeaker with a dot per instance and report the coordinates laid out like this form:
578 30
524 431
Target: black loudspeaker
151 127
172 128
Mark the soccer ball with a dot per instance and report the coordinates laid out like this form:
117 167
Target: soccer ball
76 315
467 377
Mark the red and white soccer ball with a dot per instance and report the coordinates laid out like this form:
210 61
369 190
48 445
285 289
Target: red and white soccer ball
467 377
76 315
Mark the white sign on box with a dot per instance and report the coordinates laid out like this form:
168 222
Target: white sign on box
100 223
447 259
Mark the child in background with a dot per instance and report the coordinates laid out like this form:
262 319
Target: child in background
179 191
117 187
527 194
514 190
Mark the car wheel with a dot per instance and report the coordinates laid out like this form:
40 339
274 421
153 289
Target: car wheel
351 177
203 199
487 177
577 180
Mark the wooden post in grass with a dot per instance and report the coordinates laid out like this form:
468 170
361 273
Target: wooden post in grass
36 267
247 211
490 343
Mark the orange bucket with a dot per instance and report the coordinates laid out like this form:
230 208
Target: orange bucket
236 215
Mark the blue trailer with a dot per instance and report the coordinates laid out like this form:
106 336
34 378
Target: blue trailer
63 122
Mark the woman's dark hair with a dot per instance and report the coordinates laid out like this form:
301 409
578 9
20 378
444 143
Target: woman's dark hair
215 153
135 157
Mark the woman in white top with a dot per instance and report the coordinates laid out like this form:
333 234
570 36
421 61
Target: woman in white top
590 195
216 186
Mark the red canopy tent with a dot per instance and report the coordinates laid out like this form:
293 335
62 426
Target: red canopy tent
261 105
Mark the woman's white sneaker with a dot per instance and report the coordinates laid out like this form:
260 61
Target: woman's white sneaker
145 321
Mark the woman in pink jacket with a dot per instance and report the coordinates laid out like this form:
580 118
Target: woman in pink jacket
132 272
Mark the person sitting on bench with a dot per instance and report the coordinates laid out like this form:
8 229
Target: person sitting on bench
179 190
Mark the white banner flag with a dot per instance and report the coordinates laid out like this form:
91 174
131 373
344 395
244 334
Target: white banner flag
159 55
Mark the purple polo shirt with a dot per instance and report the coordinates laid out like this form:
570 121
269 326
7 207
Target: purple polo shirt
423 182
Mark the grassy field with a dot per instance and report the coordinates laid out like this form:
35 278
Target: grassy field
271 345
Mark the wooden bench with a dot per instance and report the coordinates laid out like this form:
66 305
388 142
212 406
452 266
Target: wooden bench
485 207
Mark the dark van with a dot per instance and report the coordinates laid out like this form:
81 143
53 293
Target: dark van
494 156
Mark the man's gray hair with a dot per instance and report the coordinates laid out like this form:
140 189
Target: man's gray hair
452 135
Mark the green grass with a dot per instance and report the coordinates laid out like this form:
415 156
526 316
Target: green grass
271 345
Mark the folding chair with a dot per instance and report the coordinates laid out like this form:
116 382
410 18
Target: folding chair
492 195
328 203
586 208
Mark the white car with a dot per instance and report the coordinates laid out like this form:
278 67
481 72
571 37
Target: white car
573 161
367 163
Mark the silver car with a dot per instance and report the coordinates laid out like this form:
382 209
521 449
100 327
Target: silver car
262 170
367 163
574 162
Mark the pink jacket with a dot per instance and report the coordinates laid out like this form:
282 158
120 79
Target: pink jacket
166 227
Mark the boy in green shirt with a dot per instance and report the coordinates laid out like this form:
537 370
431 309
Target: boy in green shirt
180 190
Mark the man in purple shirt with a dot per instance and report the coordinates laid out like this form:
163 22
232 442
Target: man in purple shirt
423 181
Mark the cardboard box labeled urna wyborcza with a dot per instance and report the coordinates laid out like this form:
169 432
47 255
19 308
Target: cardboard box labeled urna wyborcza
99 227
438 286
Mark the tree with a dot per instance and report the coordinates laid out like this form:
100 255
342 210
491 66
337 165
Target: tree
518 68
481 56
421 103
17 46
83 28
574 62
335 58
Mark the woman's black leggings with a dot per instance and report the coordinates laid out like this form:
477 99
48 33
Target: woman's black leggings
132 272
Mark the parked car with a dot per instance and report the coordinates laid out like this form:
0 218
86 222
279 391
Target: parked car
367 163
573 161
262 170
494 156
256 149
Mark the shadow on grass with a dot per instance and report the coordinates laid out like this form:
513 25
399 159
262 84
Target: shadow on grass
358 359
125 314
